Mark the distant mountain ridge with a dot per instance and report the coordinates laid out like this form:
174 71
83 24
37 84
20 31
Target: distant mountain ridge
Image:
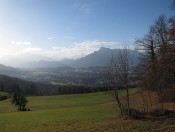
102 57
22 59
10 71
97 58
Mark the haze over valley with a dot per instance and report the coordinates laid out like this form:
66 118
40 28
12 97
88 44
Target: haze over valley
87 65
88 70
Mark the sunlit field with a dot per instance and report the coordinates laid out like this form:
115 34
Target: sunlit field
79 112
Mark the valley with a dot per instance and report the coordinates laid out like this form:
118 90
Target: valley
86 71
87 66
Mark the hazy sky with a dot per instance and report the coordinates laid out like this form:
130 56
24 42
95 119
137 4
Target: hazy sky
73 28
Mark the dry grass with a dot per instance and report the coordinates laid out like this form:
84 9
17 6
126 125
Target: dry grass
151 99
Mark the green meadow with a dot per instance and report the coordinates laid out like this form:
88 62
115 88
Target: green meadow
79 112
56 113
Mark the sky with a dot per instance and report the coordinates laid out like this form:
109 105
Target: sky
74 28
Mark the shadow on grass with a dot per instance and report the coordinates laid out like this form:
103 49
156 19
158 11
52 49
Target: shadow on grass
154 115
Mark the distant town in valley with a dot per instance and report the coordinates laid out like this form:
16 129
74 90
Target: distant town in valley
87 65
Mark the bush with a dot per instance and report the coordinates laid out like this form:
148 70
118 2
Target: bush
3 98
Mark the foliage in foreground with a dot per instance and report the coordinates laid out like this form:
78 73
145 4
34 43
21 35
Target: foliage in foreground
20 101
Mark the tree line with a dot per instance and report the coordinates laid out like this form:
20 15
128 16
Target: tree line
156 71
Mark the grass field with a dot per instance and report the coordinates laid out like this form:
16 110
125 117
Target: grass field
80 112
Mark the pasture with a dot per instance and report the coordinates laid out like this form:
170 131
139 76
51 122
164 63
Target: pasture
79 112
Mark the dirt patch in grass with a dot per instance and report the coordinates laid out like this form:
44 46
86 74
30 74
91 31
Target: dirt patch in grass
150 98
126 125
149 114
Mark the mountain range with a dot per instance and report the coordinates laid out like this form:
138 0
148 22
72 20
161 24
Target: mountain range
22 59
102 57
44 69
97 58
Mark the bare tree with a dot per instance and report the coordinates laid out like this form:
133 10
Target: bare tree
118 72
148 45
159 53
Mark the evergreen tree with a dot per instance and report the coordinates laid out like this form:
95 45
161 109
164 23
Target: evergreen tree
20 101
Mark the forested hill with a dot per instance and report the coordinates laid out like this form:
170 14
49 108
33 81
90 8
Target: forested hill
10 71
15 85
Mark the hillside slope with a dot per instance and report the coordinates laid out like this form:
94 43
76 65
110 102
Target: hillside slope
80 112
11 84
102 57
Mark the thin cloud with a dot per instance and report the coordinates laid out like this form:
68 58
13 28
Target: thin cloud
50 38
76 51
69 37
84 7
3 52
21 43
79 49
32 50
